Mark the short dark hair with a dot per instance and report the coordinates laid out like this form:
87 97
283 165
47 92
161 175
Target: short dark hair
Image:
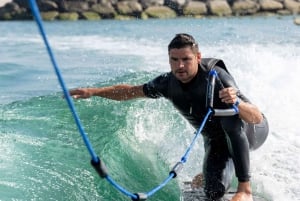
183 40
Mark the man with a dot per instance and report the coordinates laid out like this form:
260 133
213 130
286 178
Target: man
228 139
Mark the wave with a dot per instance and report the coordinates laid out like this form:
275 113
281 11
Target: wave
139 140
55 159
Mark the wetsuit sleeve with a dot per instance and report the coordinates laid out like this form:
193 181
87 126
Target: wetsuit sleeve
157 87
228 81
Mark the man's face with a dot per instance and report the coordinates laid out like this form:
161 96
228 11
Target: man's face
184 63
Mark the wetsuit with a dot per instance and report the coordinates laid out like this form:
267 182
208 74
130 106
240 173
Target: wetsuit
226 139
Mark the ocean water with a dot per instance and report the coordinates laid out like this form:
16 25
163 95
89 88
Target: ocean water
42 155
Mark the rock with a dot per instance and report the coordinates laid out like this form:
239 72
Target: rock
22 3
5 15
49 16
12 11
176 5
195 8
147 3
144 16
104 10
297 21
124 17
48 6
270 5
284 12
74 6
132 8
292 5
244 7
160 12
73 16
43 4
219 8
89 15
11 7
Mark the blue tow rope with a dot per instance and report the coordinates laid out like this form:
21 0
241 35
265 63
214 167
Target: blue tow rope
95 161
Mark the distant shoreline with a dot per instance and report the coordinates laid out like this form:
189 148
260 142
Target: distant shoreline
146 9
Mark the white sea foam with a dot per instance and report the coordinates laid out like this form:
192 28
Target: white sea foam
151 52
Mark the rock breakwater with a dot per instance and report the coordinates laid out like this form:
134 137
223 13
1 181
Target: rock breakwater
144 9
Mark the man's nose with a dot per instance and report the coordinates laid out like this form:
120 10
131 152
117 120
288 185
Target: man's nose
181 64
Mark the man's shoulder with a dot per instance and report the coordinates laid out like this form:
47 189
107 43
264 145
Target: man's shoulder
166 74
210 63
161 79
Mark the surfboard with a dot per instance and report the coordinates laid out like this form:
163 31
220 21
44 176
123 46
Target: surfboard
189 194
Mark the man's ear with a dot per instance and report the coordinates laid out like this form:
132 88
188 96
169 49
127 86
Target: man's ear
199 57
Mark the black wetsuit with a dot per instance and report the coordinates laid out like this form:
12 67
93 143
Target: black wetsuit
226 139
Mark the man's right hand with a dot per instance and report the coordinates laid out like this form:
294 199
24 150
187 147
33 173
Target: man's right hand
80 93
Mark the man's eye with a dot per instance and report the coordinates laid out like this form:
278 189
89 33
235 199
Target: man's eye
187 59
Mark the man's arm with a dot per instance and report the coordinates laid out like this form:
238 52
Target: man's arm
247 111
116 92
250 113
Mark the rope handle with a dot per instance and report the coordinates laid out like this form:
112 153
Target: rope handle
212 77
